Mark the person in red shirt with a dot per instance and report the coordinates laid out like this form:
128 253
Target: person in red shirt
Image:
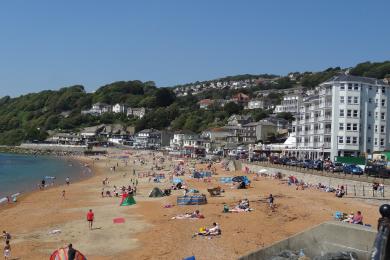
90 217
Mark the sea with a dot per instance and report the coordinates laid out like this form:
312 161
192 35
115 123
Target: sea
23 173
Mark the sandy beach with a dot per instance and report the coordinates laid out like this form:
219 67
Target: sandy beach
148 231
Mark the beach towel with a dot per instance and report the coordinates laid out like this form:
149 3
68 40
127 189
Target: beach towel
225 179
118 220
190 258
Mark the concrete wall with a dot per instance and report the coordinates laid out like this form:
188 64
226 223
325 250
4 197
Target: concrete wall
54 147
327 237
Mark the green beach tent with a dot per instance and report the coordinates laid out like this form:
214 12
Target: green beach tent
127 201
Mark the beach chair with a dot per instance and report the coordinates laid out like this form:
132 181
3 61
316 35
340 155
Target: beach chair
338 215
214 191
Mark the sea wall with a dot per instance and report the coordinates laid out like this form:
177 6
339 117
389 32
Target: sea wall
54 147
327 237
356 187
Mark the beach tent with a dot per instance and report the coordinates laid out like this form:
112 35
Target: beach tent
127 200
156 193
62 254
241 179
177 180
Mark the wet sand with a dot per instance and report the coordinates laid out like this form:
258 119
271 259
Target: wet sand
149 232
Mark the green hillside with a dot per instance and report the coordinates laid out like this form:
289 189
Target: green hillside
31 116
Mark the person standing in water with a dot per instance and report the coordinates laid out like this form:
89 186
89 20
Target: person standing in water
67 180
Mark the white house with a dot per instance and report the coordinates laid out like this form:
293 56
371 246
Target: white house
119 108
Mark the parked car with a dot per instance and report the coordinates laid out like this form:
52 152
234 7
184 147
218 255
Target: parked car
336 167
353 169
307 164
377 170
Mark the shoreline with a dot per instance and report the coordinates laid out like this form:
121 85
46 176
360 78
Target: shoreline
20 195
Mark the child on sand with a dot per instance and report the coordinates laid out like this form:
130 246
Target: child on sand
7 250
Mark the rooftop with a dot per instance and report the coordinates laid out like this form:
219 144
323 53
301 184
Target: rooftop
352 78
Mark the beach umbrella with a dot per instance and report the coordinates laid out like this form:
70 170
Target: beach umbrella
62 254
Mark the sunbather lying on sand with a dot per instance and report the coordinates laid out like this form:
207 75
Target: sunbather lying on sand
195 215
215 230
242 206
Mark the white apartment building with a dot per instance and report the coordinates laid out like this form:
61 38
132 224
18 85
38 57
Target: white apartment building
255 104
290 103
345 116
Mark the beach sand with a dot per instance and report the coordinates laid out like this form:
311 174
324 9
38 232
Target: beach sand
149 232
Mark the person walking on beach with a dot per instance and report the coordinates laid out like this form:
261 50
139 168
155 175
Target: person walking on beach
271 202
63 194
67 180
7 250
90 218
71 252
6 236
43 183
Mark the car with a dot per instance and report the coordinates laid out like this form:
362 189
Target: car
307 164
377 171
353 169
336 167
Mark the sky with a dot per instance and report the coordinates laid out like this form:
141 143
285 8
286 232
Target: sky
53 44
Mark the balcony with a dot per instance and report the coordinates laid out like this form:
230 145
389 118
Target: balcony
327 131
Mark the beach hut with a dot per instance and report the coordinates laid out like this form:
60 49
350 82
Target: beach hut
62 254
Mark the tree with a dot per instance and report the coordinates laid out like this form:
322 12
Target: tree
164 97
232 108
286 115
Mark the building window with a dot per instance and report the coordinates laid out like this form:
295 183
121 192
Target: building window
356 87
341 139
349 113
383 102
349 86
342 87
369 113
376 115
349 100
383 90
369 127
355 100
355 113
368 139
375 141
382 142
376 128
383 116
348 140
376 101
342 99
376 89
348 126
354 127
341 126
370 100
354 140
342 112
382 128
370 87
